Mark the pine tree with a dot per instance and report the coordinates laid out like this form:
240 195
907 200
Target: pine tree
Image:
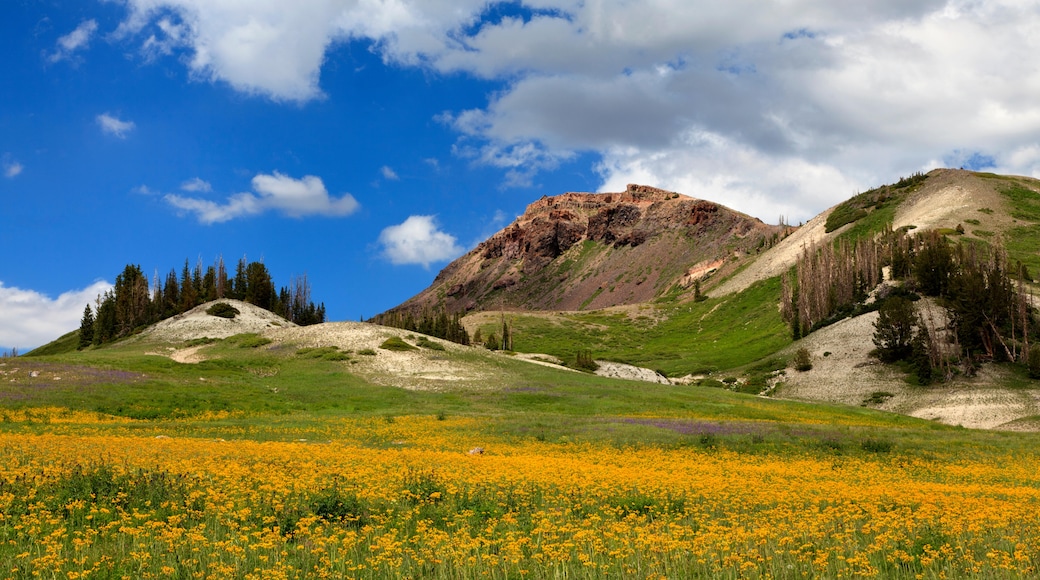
188 294
171 295
105 322
894 329
86 328
132 301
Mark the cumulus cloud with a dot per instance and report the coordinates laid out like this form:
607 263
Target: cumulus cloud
114 126
72 42
11 168
418 241
29 319
856 94
195 185
276 192
389 173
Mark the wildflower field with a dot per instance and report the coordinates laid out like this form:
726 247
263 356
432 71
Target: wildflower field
679 482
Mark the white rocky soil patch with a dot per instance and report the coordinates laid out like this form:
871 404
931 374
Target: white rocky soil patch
196 323
844 372
618 370
422 369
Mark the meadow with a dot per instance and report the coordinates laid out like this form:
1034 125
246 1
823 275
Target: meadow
277 465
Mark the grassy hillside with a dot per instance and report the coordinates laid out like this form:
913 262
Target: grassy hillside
675 338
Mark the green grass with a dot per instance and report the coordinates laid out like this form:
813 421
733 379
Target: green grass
1023 242
872 210
1024 202
306 395
718 333
65 344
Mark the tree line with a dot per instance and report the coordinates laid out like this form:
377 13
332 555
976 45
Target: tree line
435 323
440 324
133 303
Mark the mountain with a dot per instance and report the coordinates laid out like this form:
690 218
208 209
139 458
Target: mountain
582 251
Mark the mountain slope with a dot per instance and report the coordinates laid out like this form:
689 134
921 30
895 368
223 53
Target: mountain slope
989 208
581 251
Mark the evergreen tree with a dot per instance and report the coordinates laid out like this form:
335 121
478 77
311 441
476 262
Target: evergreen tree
259 289
105 322
933 264
86 328
894 329
239 284
507 336
132 302
188 294
171 295
209 285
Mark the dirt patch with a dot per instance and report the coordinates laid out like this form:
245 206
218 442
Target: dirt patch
190 355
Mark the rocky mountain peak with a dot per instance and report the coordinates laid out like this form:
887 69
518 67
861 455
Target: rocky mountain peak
590 250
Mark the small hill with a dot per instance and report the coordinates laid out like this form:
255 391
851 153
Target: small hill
198 323
581 251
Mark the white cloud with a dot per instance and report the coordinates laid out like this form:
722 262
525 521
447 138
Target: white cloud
712 167
277 192
77 39
29 319
389 173
195 185
12 168
114 126
418 241
856 94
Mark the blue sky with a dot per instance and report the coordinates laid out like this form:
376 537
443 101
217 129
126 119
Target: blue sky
367 143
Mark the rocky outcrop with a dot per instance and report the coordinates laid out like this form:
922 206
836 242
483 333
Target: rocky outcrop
592 250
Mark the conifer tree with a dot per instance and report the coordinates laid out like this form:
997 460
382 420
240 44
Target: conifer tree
171 295
188 295
105 319
86 328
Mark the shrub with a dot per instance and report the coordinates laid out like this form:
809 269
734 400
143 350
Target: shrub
876 445
802 360
842 215
249 340
427 343
367 352
333 506
583 361
223 310
877 398
492 342
1033 360
396 343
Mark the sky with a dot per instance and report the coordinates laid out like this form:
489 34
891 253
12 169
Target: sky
367 143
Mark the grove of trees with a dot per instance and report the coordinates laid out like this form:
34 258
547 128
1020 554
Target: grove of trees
986 312
134 303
